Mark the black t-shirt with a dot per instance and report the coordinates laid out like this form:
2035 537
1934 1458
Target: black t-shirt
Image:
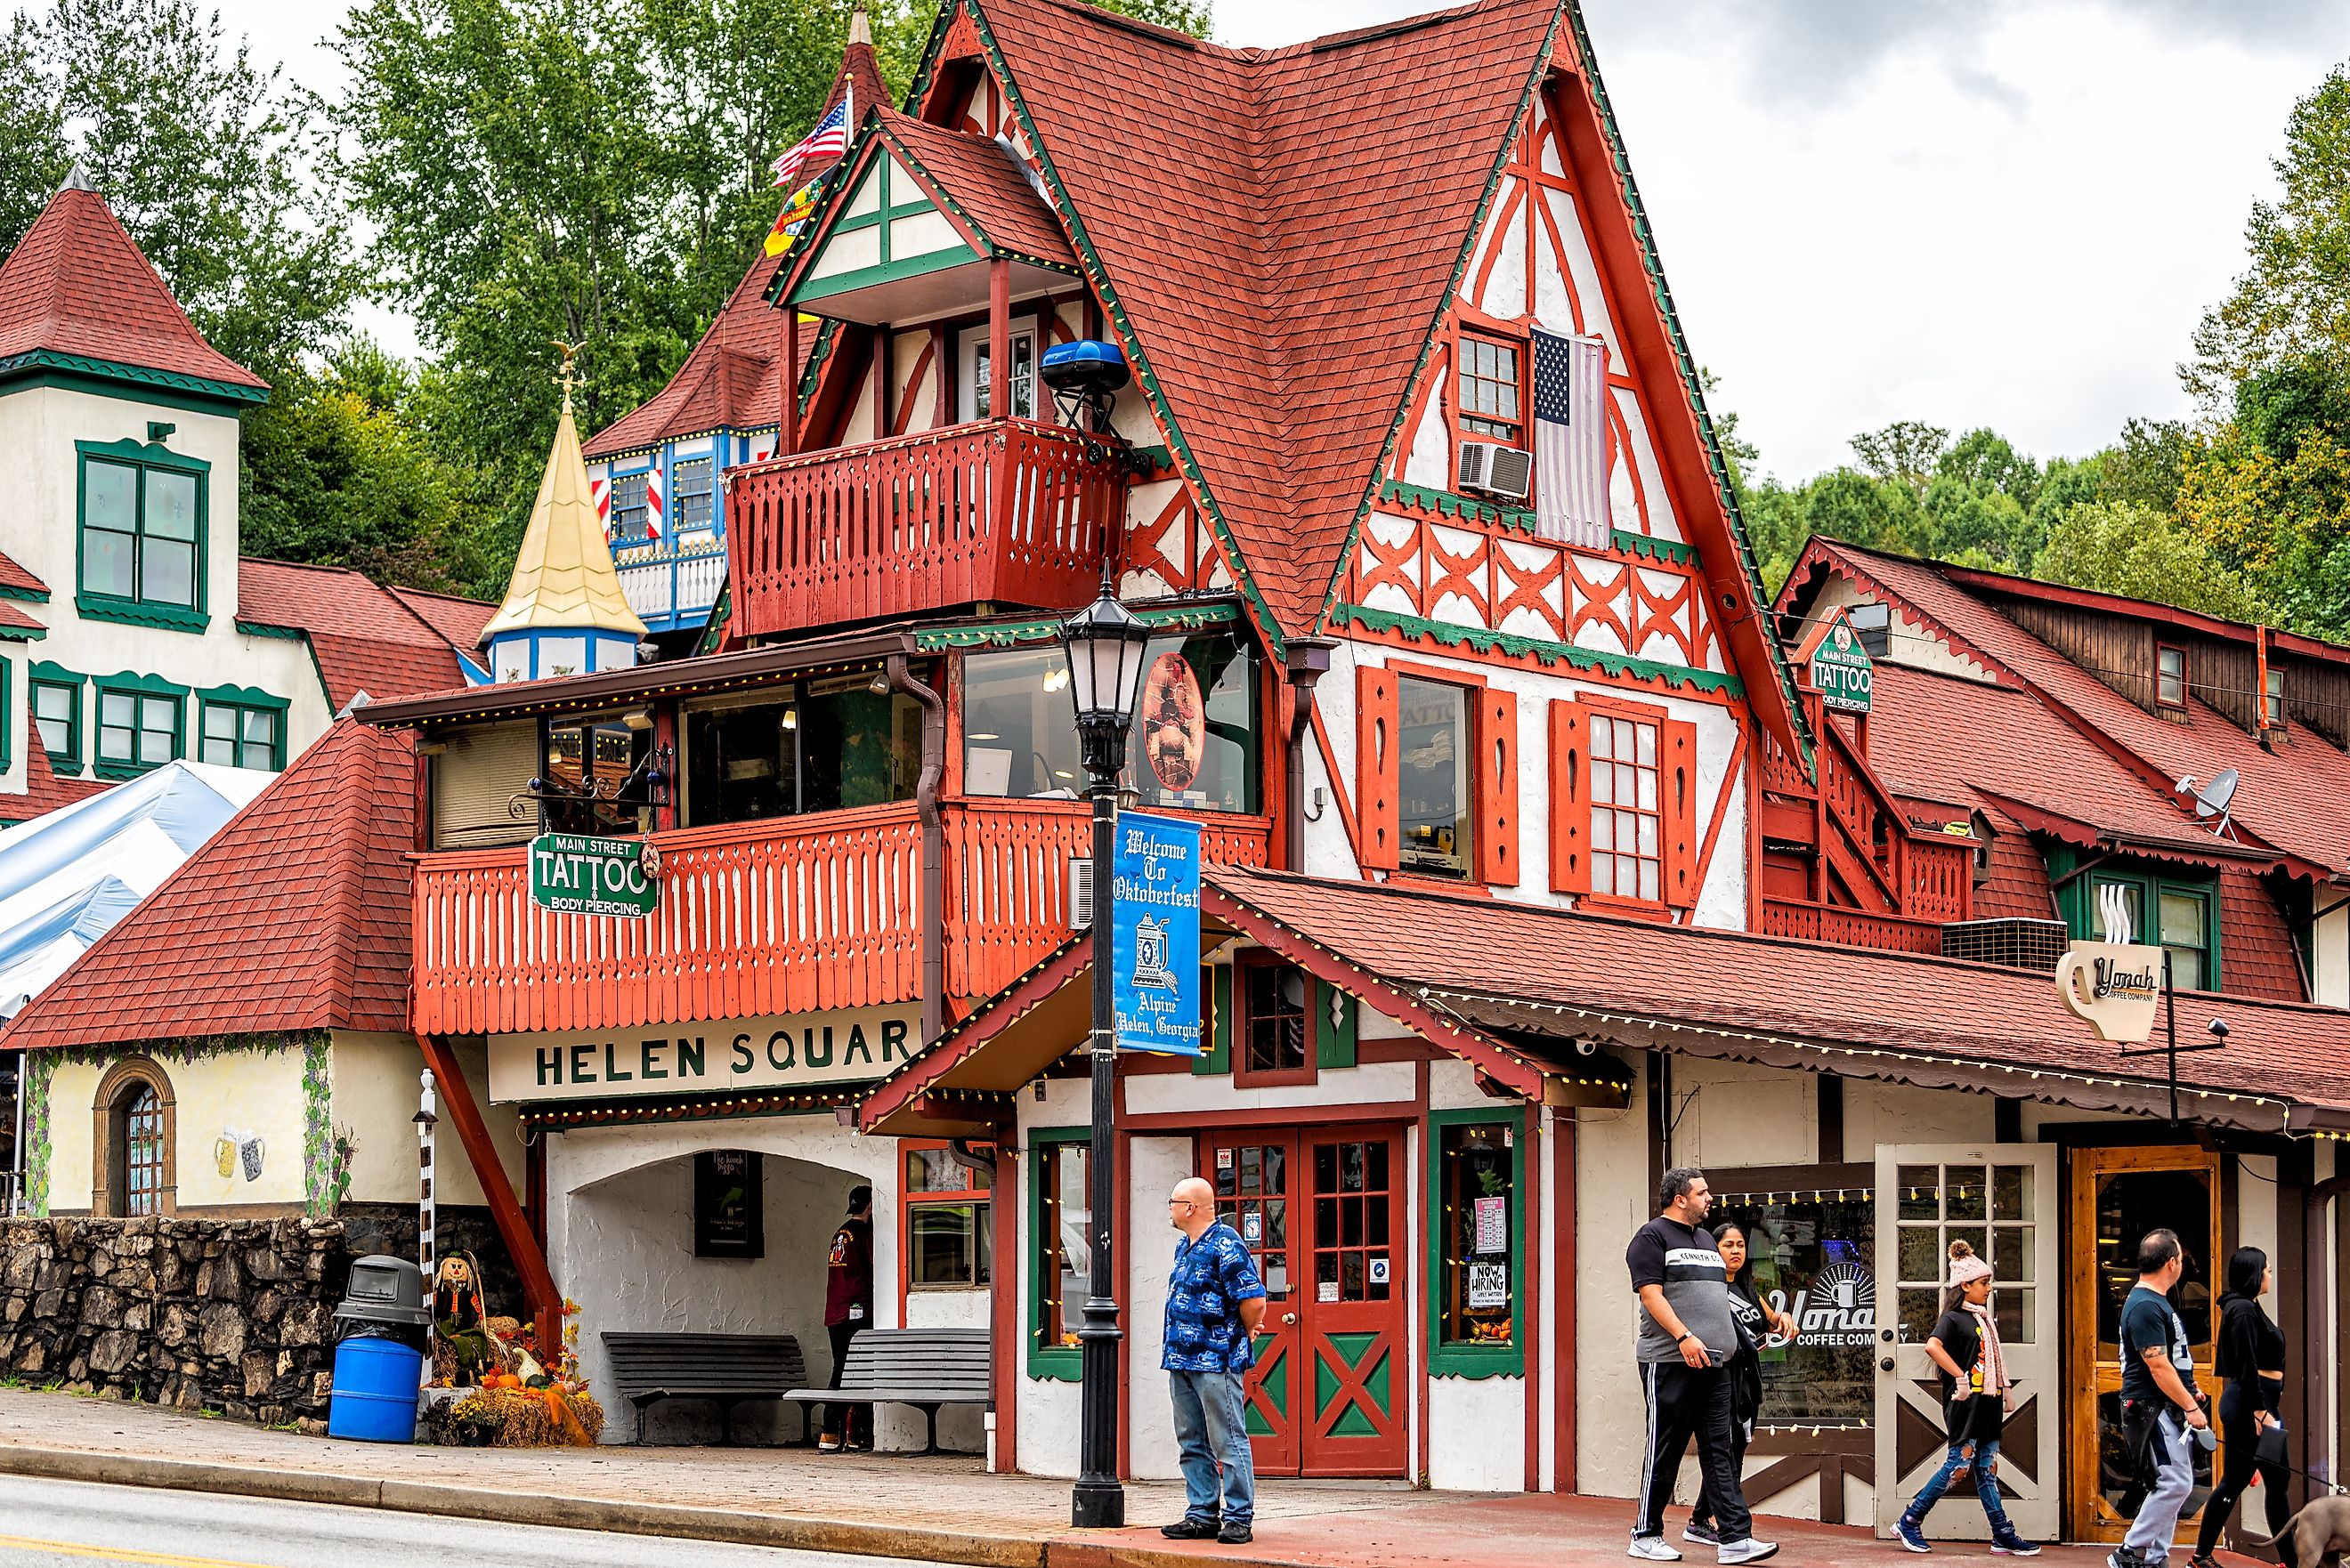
2149 1323
1683 1260
1962 1342
2250 1345
1983 1413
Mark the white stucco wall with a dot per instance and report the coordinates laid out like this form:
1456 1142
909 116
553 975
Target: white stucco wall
1611 1201
1155 1166
256 1093
39 429
2331 972
1732 1113
376 1080
1047 1408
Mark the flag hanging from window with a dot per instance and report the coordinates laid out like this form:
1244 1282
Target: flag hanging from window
829 140
1571 439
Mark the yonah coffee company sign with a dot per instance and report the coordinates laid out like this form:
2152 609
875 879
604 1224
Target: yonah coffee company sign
2117 987
804 1050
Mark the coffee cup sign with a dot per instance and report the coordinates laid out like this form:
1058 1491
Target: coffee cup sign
2115 986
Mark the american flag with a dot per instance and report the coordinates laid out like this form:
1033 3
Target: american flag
1571 439
829 140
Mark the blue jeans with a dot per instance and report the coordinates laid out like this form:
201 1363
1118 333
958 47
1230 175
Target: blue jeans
1212 1431
1984 1458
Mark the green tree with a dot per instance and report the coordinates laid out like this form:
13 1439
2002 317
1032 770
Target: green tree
34 153
1906 451
2123 547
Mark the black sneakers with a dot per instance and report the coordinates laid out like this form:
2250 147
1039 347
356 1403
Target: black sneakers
1236 1533
1189 1529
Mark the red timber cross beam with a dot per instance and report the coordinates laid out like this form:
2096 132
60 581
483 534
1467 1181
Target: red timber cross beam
514 1227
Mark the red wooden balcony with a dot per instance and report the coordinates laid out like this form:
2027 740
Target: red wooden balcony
786 915
1010 512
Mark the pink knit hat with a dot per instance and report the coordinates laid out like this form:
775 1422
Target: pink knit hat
1965 1266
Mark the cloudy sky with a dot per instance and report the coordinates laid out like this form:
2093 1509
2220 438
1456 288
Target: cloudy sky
1966 212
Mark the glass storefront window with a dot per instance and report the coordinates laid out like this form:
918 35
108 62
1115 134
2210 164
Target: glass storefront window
1432 777
826 745
1812 1256
1194 743
1064 1214
590 771
1477 1264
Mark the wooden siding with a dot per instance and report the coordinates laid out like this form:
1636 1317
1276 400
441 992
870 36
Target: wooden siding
2118 652
788 914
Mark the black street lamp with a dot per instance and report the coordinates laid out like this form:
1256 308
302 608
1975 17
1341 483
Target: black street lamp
1105 644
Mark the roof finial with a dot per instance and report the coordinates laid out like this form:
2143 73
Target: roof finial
78 180
568 376
860 26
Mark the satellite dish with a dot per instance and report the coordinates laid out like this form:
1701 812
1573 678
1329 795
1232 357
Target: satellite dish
2212 800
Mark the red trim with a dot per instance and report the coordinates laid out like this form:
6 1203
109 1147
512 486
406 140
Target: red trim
1420 1282
1157 1122
1530 1312
1721 807
1443 675
1244 1077
1004 1303
908 1202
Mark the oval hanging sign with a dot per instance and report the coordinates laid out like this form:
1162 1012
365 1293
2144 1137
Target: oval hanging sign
573 873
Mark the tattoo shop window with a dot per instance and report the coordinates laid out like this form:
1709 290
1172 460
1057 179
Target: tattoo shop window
1814 1255
1475 1226
950 1228
590 774
1276 1029
1489 396
1434 805
1626 817
1062 1213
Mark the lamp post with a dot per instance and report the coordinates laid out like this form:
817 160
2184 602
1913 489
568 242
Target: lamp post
1105 644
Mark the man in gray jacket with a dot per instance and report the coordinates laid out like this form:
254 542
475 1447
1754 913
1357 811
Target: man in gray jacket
1687 1340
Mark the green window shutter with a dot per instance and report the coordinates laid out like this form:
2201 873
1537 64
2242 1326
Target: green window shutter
1219 1055
1334 1016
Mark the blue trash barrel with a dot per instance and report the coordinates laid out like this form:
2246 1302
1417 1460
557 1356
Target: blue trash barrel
374 1396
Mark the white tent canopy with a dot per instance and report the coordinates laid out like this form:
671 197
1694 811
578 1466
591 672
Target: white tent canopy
68 875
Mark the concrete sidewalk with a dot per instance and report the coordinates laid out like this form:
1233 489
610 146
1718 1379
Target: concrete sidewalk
943 1507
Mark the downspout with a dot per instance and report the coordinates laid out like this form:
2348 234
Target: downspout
934 845
1305 661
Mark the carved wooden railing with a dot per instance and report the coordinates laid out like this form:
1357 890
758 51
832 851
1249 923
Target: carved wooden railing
786 915
1007 511
1850 928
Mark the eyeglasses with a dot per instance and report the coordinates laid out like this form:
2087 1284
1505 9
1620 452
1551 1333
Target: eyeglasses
1182 1204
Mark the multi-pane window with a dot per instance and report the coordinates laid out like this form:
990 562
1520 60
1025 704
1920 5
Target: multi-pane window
2170 676
1064 1215
136 730
591 764
1994 1209
979 381
1476 1175
2182 923
629 509
1275 1026
56 715
1627 821
690 493
139 1145
950 1229
1434 809
1489 394
141 536
2272 700
239 735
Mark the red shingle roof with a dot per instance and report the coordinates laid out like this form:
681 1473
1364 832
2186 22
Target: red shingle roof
367 637
15 580
17 617
987 182
294 915
44 791
77 283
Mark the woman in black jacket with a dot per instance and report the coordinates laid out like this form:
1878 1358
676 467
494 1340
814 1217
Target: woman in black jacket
2251 1357
1756 1319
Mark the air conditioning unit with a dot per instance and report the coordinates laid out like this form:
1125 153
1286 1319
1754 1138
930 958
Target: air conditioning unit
1081 892
1496 470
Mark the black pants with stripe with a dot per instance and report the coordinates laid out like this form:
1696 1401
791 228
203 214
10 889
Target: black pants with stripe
1687 1402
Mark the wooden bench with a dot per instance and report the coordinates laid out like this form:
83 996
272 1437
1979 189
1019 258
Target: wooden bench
728 1369
924 1367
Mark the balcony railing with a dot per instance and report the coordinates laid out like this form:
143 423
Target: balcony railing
1007 511
673 584
1850 928
787 915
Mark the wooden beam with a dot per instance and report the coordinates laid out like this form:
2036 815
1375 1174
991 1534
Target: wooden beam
787 386
539 1295
999 339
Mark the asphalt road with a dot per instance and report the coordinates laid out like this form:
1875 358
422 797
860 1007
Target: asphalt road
77 1525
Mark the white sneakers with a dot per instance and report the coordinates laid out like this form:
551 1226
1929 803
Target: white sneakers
1652 1549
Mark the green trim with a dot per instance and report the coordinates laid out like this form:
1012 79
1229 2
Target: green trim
1654 548
135 686
1012 634
244 700
2076 901
1470 509
1549 652
27 595
7 728
1113 310
68 764
132 610
1476 1360
884 271
109 379
1218 1057
1334 1037
257 629
1053 1362
23 633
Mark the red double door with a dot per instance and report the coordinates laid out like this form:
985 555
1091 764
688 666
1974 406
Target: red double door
1323 1213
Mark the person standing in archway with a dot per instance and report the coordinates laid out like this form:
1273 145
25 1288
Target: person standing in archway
848 1312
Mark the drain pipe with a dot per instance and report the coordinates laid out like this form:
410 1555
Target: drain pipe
934 848
1306 661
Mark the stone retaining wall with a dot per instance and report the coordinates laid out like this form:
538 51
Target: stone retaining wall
232 1315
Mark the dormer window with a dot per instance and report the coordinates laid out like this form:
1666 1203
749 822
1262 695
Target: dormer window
1491 383
2170 676
2272 700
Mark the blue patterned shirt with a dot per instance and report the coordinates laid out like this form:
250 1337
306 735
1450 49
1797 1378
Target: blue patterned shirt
1211 1277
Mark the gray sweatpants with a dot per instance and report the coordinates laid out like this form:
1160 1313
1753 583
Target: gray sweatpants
2158 1521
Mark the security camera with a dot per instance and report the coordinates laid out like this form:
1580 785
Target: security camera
2218 1029
1587 1047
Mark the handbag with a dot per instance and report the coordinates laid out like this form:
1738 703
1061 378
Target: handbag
2270 1450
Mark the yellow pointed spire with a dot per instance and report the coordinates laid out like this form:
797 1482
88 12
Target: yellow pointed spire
564 579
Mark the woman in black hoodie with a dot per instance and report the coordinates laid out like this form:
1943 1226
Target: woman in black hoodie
2251 1357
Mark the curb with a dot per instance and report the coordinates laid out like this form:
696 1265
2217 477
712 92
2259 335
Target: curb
789 1530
